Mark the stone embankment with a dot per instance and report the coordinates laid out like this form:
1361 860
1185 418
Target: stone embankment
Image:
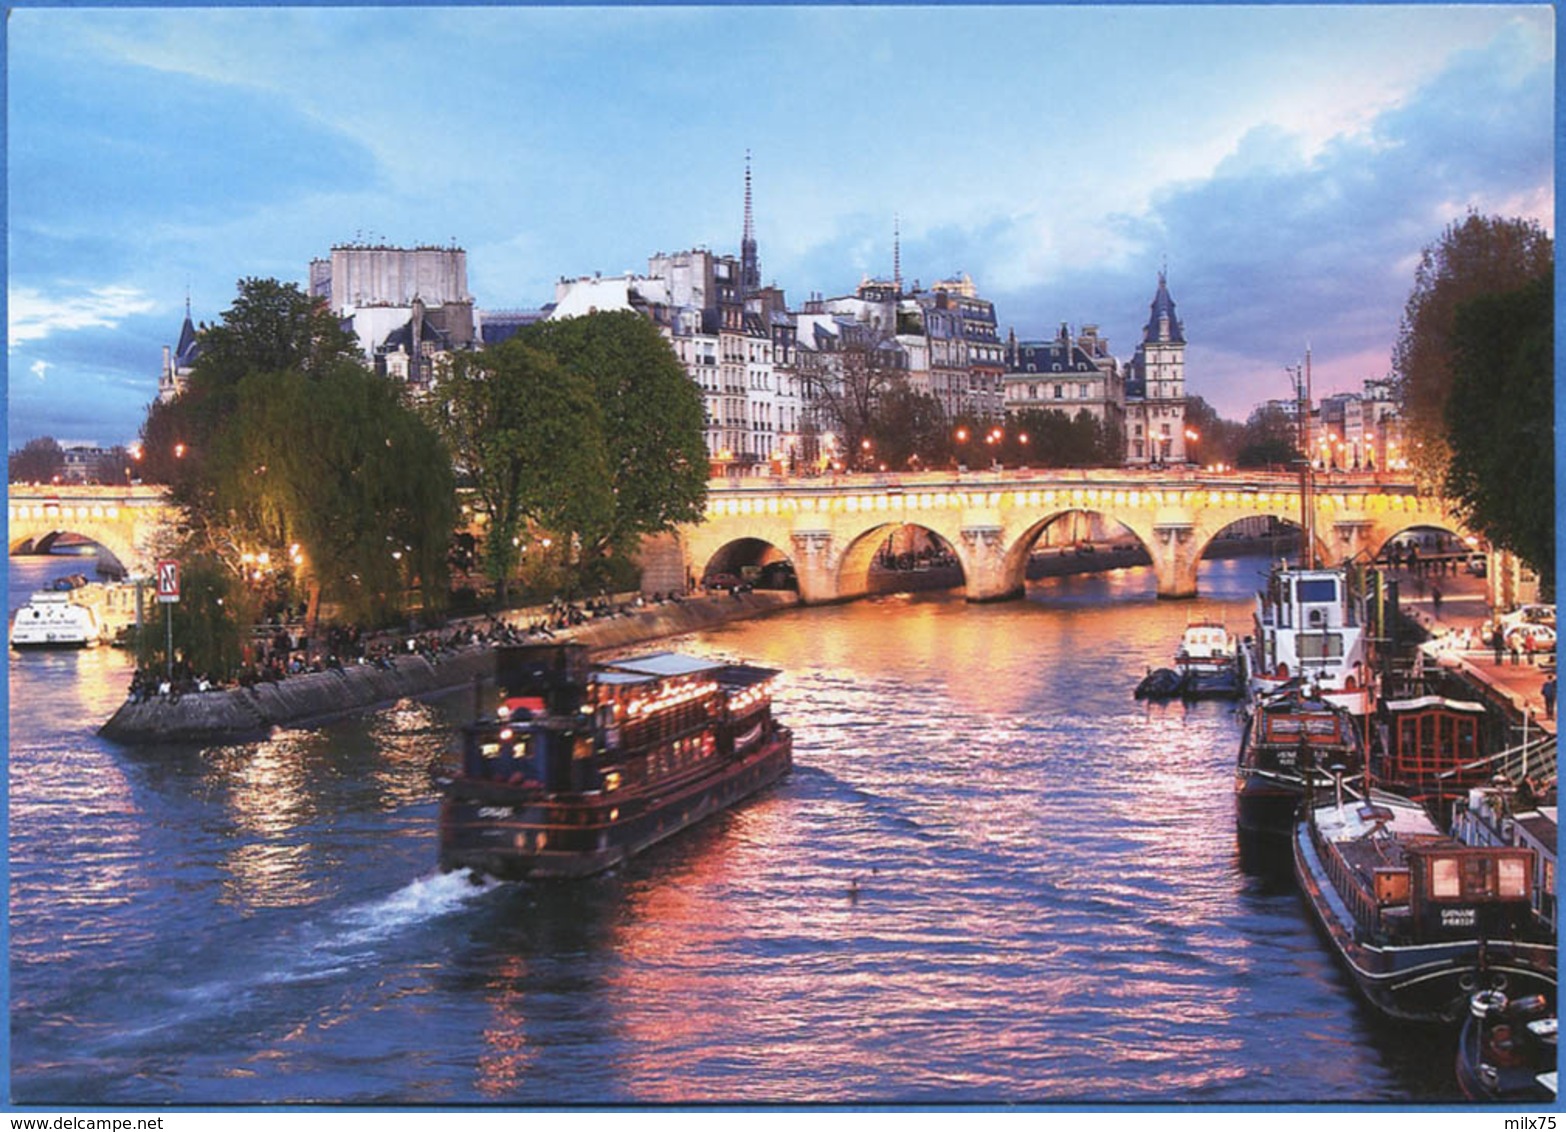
227 715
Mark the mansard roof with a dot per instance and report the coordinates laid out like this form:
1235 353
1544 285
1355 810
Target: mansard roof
1163 306
1055 356
402 337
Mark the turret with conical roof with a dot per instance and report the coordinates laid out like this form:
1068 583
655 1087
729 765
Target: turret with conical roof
1163 325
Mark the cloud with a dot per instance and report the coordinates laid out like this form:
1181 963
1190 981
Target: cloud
39 368
34 315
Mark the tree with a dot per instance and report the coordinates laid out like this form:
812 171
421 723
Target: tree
653 420
297 469
1268 439
1478 255
910 430
337 466
528 436
40 460
1500 416
271 328
846 386
1217 440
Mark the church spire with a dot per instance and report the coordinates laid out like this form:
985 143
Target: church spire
750 268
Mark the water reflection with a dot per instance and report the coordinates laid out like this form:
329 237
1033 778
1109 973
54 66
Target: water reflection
992 876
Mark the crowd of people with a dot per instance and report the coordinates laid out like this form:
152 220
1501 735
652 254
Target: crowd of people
283 648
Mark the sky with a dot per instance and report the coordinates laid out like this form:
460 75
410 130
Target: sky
1285 165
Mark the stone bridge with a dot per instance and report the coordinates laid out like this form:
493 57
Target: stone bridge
124 521
830 528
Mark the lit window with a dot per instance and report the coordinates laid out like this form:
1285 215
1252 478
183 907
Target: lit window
1444 882
1512 877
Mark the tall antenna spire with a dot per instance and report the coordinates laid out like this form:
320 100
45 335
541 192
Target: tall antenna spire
897 253
750 268
750 222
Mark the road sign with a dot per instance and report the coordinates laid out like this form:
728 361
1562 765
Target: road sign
168 580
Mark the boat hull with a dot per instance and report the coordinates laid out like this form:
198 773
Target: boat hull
581 835
1424 982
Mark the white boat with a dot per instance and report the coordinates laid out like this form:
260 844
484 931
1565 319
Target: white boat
1308 632
52 620
1206 657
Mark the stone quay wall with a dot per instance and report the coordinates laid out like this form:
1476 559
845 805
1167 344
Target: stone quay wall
228 715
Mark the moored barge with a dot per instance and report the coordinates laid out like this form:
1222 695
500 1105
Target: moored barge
584 765
1290 745
1419 920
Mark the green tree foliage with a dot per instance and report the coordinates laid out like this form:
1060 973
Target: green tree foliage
1057 439
37 461
285 439
528 435
1479 255
338 465
910 430
1500 415
653 420
209 622
1267 440
271 328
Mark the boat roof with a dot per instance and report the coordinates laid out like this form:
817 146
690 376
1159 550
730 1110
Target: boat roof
1357 817
622 679
661 664
743 675
1422 702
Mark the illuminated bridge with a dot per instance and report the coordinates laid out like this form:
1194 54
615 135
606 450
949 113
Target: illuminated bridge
124 521
831 528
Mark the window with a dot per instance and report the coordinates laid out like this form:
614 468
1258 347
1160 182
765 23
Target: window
1444 881
1057 392
1511 877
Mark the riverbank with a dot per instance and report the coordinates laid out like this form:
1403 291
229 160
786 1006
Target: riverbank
228 715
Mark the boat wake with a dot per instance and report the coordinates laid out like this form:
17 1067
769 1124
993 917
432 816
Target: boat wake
317 950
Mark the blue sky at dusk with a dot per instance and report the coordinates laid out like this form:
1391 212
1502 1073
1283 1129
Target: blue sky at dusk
1286 163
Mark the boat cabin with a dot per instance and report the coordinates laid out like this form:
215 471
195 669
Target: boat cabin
1431 740
1457 891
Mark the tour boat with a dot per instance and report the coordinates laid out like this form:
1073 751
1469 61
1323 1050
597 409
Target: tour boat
1207 658
1291 743
1419 920
1308 627
1507 1048
585 765
52 619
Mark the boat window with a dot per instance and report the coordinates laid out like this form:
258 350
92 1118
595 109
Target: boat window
1444 878
1511 876
1319 646
1318 590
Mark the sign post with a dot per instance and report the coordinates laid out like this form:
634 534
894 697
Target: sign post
168 594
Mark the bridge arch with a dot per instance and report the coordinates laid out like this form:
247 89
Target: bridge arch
125 521
854 566
992 519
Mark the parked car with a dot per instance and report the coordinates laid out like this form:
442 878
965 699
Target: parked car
722 582
1541 636
1531 614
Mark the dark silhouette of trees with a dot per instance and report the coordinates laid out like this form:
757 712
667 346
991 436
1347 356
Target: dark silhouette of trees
1500 414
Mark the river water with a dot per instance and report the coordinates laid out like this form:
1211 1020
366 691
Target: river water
993 876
